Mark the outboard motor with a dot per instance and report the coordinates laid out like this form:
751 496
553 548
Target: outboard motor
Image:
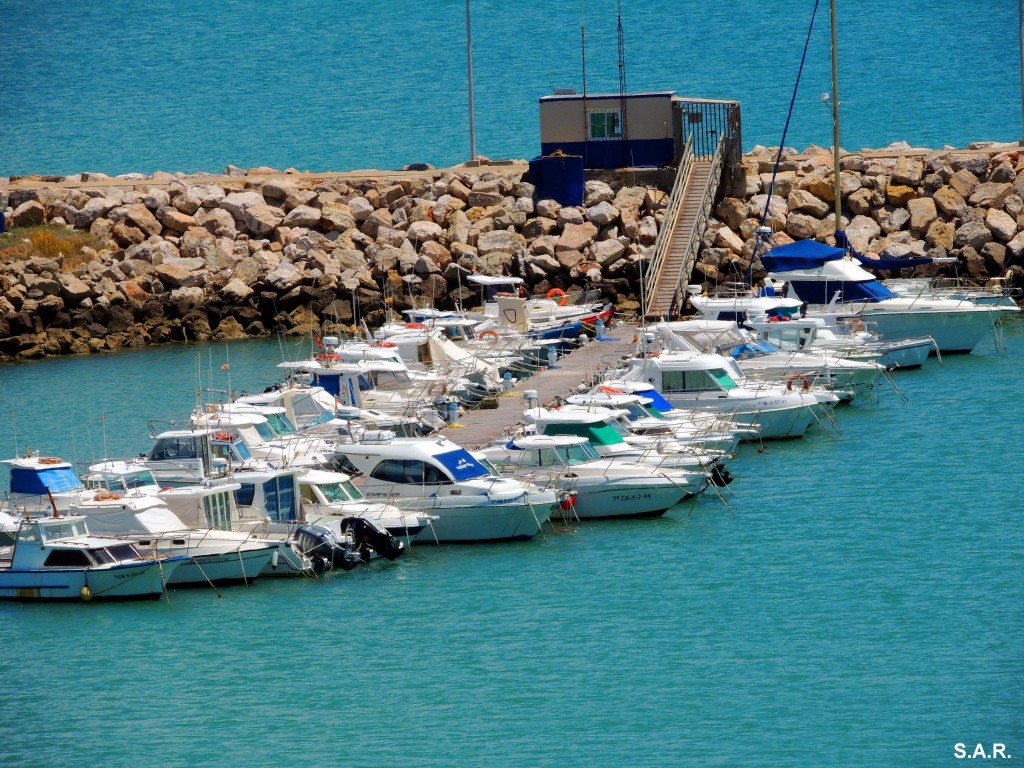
324 550
720 476
369 536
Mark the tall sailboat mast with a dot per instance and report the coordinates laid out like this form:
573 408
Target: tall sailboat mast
835 115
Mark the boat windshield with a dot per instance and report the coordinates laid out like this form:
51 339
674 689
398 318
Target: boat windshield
581 453
70 529
280 424
129 480
639 411
337 493
264 431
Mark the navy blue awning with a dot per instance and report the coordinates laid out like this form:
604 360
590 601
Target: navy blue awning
803 254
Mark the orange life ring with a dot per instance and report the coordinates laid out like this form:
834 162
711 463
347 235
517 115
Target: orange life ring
488 332
856 326
222 436
415 325
49 460
557 292
328 357
385 344
166 488
795 378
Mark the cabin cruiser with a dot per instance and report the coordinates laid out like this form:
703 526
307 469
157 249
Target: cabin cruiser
56 558
123 500
713 383
611 440
324 495
600 487
762 360
824 276
437 477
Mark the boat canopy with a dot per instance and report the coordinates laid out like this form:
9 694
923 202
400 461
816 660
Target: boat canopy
658 402
803 254
810 254
36 482
461 464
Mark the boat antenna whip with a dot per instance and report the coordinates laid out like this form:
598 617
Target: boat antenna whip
782 143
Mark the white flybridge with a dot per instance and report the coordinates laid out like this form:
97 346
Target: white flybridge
437 477
601 487
714 384
833 283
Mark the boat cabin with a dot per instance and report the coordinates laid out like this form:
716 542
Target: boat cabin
185 457
65 542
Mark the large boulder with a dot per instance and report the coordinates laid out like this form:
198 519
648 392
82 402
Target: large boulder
28 214
217 221
909 170
238 202
990 194
140 216
1001 224
423 231
602 214
262 219
174 219
949 201
861 231
301 216
802 201
501 240
973 234
576 237
340 217
922 213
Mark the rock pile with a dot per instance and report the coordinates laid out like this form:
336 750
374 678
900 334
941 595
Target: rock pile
182 259
968 204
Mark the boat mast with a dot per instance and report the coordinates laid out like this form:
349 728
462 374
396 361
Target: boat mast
835 113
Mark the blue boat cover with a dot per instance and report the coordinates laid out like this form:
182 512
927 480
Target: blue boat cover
37 481
461 464
658 403
843 242
803 254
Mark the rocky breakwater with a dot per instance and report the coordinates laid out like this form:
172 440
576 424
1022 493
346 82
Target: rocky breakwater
896 203
184 258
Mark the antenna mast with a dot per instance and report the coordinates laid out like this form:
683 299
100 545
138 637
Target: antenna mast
583 47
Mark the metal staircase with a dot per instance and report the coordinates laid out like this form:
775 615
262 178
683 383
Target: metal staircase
686 219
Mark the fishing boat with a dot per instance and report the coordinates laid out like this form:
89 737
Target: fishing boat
56 558
600 487
435 476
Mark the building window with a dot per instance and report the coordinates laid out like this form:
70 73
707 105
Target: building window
604 125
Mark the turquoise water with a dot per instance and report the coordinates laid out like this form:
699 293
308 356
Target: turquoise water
861 606
188 85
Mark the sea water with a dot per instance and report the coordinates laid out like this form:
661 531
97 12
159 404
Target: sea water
857 603
190 85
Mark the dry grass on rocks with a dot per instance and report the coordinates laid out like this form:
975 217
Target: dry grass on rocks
70 248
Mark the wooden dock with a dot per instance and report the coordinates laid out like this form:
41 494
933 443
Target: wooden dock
481 426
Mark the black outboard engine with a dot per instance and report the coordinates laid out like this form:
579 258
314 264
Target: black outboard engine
369 536
720 476
322 547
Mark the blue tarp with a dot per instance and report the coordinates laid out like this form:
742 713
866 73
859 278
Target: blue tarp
658 403
461 465
886 264
803 254
36 481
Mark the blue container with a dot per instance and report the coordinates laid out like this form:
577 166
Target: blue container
558 178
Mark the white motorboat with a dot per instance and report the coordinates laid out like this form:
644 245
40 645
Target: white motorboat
327 495
833 283
122 499
437 477
762 360
711 383
600 487
56 558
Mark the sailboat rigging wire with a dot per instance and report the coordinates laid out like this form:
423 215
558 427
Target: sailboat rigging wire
782 143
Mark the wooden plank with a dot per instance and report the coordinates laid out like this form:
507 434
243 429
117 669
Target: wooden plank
481 427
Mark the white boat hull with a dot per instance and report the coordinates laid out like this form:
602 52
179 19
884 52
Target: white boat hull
622 499
953 331
478 520
125 581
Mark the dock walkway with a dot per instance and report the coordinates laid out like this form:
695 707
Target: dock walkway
481 426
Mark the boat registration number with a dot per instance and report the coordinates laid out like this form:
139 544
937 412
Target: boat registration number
632 497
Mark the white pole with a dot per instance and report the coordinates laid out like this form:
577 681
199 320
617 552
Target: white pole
1020 29
469 67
